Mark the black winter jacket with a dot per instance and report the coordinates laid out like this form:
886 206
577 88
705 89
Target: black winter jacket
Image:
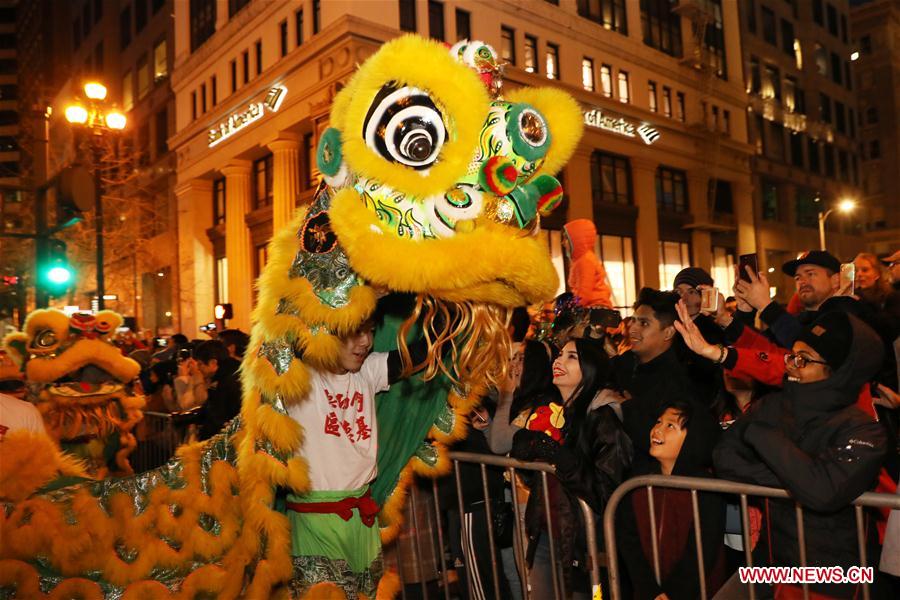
590 464
705 375
649 385
812 440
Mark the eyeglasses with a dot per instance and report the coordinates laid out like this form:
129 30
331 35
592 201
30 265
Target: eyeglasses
799 361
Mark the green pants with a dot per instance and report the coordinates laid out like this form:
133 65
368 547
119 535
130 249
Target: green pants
328 535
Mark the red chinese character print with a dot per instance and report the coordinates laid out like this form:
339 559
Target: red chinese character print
348 429
358 400
331 401
363 431
331 425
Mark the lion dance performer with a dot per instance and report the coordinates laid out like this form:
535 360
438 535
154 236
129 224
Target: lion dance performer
433 189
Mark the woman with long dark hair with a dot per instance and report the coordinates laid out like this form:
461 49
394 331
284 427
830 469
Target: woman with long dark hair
591 453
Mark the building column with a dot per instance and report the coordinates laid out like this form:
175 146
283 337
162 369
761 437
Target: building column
643 173
578 185
701 238
237 242
196 285
742 195
286 178
182 45
222 15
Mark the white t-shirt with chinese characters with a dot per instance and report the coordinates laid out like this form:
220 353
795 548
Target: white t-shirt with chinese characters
340 433
16 415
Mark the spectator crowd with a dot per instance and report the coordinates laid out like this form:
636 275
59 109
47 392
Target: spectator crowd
801 397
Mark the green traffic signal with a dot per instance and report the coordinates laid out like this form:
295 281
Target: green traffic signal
59 275
54 273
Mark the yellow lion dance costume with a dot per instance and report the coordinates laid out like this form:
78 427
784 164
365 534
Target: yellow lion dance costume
82 385
433 186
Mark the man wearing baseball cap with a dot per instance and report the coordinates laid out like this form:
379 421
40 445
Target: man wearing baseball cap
817 276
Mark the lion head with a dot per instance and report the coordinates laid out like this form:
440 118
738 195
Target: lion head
82 384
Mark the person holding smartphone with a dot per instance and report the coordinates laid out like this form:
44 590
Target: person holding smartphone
817 276
190 386
691 284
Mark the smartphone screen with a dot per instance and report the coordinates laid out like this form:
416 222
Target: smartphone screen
709 300
745 260
848 277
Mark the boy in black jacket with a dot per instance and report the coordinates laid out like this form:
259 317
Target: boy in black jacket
681 443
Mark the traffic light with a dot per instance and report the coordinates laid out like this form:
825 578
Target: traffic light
54 273
75 194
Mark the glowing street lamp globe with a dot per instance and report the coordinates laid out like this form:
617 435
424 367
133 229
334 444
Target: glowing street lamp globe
115 120
95 91
76 113
847 205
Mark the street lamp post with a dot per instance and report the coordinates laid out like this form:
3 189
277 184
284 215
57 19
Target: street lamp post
845 206
92 112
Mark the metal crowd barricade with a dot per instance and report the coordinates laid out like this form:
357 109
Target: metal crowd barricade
695 485
158 437
436 534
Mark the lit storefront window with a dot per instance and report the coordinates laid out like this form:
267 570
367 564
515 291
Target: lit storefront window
673 257
554 242
587 74
552 61
723 269
617 254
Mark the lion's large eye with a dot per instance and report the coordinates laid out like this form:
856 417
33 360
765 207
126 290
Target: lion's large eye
403 125
527 130
45 339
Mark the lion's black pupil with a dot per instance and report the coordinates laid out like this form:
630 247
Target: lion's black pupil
419 147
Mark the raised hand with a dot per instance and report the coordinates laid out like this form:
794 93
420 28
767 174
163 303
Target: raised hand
692 337
755 292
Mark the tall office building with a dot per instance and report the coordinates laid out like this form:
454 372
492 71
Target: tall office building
126 45
875 26
14 214
803 125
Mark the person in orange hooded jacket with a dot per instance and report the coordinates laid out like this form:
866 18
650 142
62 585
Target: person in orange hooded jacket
587 277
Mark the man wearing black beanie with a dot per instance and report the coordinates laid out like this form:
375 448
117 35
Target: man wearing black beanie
705 375
811 439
